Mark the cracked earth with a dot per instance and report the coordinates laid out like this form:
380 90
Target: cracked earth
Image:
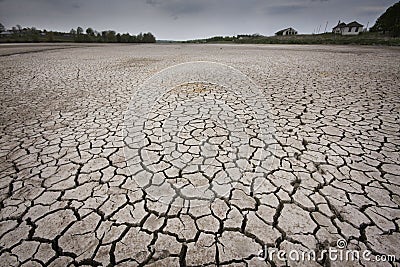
197 183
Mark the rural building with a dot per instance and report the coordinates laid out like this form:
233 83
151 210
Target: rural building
339 28
288 31
6 33
353 28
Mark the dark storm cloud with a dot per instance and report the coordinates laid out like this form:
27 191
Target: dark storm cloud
57 4
176 8
285 9
189 19
76 5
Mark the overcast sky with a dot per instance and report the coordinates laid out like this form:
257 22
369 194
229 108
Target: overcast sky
190 19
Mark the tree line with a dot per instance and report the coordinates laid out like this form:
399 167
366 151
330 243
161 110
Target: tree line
31 34
110 36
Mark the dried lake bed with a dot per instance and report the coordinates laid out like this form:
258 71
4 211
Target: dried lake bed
198 155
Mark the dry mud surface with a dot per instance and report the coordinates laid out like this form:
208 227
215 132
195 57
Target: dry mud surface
212 172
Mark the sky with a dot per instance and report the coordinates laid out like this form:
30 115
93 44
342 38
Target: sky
190 19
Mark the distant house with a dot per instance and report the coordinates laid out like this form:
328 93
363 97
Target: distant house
248 36
6 33
353 28
288 31
339 28
243 36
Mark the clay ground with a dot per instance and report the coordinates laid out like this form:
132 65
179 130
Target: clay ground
69 196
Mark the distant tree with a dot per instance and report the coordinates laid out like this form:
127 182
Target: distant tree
255 35
72 32
111 36
79 30
19 27
148 38
50 36
108 36
125 38
139 38
34 34
133 39
14 29
2 28
90 31
389 21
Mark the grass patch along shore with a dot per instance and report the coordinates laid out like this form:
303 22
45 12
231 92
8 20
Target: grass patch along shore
365 38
